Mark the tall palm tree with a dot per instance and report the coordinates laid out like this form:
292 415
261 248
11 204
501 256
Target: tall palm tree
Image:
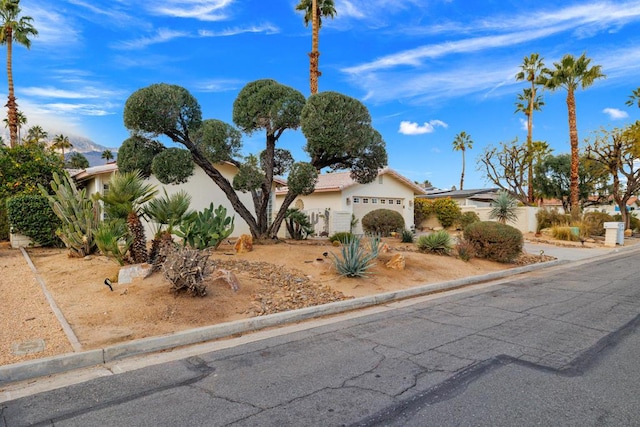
526 104
634 98
13 28
314 11
127 194
570 73
107 155
36 136
531 69
461 142
60 142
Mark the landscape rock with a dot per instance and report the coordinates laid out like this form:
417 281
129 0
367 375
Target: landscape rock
244 244
130 272
385 248
397 262
228 277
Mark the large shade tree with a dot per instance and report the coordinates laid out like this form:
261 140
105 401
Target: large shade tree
529 101
337 128
461 142
570 74
314 11
18 29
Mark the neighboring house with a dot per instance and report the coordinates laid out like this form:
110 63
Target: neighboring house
202 189
481 197
338 203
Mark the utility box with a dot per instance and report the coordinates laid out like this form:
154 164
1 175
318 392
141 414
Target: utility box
613 233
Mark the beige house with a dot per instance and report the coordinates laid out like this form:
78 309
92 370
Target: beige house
339 203
202 189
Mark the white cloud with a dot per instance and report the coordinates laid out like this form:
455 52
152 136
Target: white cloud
615 114
203 10
264 28
162 35
412 128
219 85
524 124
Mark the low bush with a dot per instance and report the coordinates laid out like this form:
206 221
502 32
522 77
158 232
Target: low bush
354 260
495 241
566 233
341 237
32 216
465 219
382 222
438 243
113 239
593 222
465 250
447 211
548 218
422 209
634 223
407 236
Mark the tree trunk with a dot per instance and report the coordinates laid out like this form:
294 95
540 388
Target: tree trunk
575 159
313 56
530 197
462 174
277 221
12 106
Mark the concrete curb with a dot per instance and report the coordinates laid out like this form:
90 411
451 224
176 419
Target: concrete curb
71 361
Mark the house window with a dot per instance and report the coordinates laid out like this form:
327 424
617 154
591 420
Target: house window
390 201
356 200
398 202
380 179
383 201
374 201
365 200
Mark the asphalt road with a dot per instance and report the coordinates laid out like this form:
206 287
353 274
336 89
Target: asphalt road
552 347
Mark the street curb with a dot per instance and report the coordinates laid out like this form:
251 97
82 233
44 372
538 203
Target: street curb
71 361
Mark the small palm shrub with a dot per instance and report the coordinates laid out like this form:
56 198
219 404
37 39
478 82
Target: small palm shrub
354 260
113 239
438 243
503 208
382 222
565 233
466 218
495 241
298 225
407 236
447 211
465 250
341 237
594 222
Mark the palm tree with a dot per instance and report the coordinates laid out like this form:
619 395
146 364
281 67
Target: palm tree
461 143
127 194
77 161
60 142
634 98
526 104
570 73
35 136
314 11
531 69
107 155
13 29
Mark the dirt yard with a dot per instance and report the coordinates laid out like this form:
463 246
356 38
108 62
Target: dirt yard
273 278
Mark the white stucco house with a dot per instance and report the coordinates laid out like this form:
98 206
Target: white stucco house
338 203
202 189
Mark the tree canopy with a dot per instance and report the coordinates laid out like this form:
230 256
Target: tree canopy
338 131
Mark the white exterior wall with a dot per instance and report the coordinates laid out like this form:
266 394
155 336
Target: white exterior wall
526 223
203 191
316 204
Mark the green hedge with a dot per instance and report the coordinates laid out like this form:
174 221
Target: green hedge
494 241
32 216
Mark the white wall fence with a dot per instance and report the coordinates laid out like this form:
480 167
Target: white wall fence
526 222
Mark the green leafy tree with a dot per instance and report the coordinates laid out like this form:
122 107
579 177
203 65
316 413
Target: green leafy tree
529 101
338 131
617 151
461 142
107 155
314 11
126 197
61 142
136 154
18 29
569 74
77 161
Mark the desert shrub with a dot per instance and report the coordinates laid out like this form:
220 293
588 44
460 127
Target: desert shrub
547 218
407 236
438 242
32 216
594 222
465 250
495 241
503 208
422 209
207 228
447 211
186 269
634 223
465 219
298 224
113 239
565 233
382 222
354 260
341 237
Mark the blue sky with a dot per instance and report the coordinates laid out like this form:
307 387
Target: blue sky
426 69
